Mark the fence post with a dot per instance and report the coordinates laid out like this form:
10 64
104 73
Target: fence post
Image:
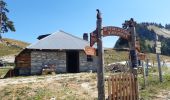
147 67
144 74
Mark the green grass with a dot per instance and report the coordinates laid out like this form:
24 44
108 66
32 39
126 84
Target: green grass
16 42
7 50
111 56
3 71
153 86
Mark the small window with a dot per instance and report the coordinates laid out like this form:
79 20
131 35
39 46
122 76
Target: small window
96 52
89 58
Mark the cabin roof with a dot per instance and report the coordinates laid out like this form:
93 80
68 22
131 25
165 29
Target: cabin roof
60 40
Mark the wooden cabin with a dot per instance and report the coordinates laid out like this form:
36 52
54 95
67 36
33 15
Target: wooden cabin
60 49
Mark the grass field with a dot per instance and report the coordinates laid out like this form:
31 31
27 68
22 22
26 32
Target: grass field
154 89
81 86
4 70
111 56
15 47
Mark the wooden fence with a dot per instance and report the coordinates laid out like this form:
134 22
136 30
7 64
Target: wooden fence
123 86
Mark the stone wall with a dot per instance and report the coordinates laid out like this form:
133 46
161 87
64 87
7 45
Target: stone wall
58 58
87 65
42 58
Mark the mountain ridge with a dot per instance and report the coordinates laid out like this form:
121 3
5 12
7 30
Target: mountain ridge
146 35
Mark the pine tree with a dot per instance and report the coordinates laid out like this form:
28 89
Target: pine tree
5 23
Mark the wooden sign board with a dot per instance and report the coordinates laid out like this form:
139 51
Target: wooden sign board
90 51
93 38
115 31
158 50
158 44
141 56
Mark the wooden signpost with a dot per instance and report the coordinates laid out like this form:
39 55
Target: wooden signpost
100 51
158 51
128 33
115 31
141 56
90 51
93 38
158 44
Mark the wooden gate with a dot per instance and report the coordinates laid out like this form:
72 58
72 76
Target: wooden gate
123 86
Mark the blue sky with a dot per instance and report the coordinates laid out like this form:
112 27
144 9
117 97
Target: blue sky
35 17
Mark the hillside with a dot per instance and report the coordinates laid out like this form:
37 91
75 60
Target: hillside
160 31
111 56
11 46
146 35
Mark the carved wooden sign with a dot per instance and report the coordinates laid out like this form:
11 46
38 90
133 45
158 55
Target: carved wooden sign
141 56
93 38
90 51
115 31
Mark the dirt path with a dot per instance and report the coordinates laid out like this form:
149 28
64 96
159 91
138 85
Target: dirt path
61 86
36 79
81 86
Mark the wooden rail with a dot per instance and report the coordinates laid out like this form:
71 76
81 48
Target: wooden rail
122 86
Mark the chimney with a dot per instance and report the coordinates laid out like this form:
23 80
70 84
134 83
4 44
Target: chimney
85 36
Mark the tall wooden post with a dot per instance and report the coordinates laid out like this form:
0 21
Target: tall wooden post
147 67
130 25
100 69
133 52
132 44
144 74
158 59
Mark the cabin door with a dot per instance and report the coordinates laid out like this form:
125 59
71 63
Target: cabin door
72 62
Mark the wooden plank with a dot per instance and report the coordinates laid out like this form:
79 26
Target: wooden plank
124 88
130 86
117 86
121 87
113 87
109 89
133 87
136 86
